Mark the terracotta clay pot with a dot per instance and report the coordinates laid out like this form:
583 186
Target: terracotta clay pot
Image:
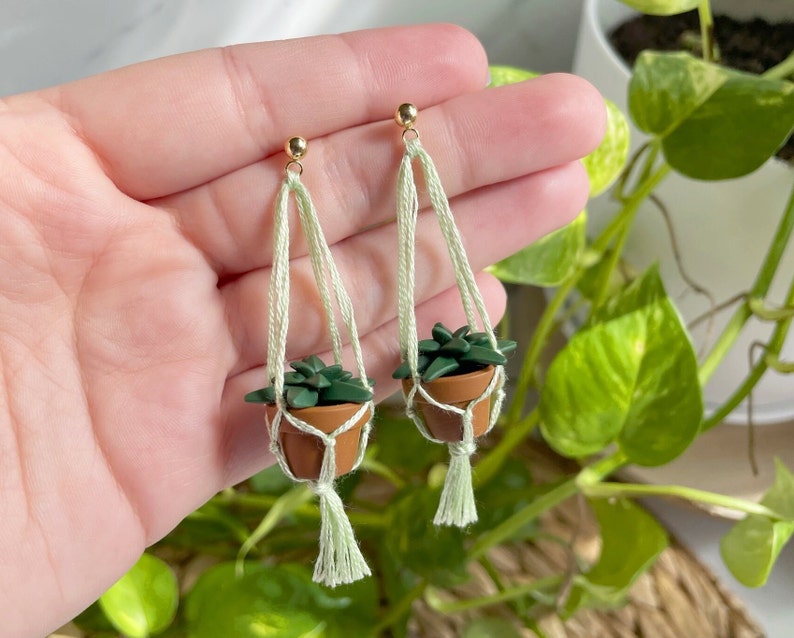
304 452
458 390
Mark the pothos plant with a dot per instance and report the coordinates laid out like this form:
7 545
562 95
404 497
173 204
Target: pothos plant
625 389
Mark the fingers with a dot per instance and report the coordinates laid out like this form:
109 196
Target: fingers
495 222
476 139
171 124
245 442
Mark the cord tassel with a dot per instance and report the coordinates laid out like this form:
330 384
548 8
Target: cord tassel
457 506
339 560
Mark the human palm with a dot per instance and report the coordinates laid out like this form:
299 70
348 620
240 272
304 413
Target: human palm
135 219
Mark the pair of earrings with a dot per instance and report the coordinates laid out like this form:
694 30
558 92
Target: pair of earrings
320 416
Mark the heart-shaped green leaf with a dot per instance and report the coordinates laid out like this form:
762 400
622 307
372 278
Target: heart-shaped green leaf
143 602
632 540
662 7
630 379
276 601
605 164
752 546
714 122
547 262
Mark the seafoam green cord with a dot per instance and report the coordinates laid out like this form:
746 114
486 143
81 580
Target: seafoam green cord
340 560
457 506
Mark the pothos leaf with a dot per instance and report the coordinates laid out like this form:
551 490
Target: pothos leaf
662 7
631 379
547 262
632 541
276 601
143 602
714 122
752 546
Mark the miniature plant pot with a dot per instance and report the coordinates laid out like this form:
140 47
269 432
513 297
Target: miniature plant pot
723 228
458 390
304 452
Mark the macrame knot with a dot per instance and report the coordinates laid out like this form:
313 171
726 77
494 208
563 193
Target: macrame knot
322 488
463 448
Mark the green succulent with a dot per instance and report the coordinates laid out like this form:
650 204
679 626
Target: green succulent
457 352
313 383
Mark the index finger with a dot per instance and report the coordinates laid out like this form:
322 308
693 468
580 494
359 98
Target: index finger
163 126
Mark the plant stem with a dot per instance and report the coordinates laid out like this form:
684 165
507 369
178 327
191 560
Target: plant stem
509 527
773 347
625 218
781 71
710 51
617 490
533 589
759 290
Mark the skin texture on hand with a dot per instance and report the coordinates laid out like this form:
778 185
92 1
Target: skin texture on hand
135 225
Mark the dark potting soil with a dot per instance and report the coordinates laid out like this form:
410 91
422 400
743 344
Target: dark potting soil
754 45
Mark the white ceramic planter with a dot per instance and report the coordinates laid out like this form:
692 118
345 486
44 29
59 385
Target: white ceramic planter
723 228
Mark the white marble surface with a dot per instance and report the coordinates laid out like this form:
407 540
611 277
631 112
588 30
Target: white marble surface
45 42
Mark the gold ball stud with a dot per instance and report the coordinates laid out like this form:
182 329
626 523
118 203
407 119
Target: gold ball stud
296 148
405 115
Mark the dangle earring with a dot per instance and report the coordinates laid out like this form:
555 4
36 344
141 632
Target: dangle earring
453 382
319 416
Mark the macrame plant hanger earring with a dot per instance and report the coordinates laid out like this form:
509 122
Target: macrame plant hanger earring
453 382
319 415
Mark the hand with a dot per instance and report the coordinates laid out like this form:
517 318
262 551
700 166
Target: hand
135 223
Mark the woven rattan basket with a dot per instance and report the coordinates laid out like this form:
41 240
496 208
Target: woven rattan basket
677 598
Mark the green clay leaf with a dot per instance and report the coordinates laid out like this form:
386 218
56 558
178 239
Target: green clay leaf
403 371
461 332
506 346
303 368
632 379
315 362
454 347
441 333
440 367
264 395
605 164
143 602
478 338
317 381
332 372
662 7
547 262
483 356
293 378
346 392
428 346
632 541
752 546
299 397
